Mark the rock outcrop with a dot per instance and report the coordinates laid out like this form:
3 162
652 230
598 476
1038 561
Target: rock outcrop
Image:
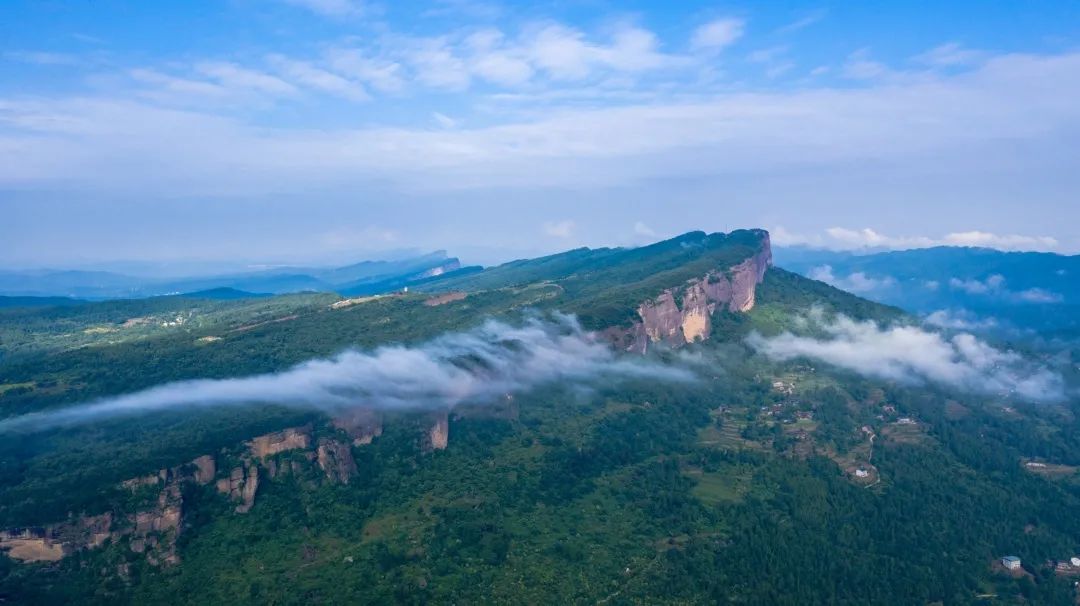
53 542
362 424
280 441
684 314
438 437
241 485
153 528
336 460
156 529
205 469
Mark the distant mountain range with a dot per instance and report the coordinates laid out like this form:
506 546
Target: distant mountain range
360 278
966 285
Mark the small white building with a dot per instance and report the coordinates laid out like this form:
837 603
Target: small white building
1010 562
861 473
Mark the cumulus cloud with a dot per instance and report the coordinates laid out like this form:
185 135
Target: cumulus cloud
560 229
718 34
468 367
856 282
959 320
972 286
910 354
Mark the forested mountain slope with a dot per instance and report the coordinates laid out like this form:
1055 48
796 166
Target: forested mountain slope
700 469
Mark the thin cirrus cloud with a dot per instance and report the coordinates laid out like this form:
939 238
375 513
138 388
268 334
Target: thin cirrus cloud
330 8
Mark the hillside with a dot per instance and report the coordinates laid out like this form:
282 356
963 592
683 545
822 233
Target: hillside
659 455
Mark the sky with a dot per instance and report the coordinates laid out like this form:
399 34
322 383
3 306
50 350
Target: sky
300 131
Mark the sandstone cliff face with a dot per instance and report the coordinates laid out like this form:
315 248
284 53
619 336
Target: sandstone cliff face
336 460
53 542
439 435
205 469
152 530
280 441
241 485
664 319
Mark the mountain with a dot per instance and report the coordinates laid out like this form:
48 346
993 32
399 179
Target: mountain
365 276
468 441
1022 289
37 301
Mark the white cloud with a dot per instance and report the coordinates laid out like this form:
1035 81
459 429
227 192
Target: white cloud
475 366
718 34
565 53
802 22
1020 98
382 74
437 65
860 66
959 320
856 282
912 355
309 76
642 229
233 76
868 238
1001 242
950 55
560 229
994 286
842 238
444 120
1039 295
330 8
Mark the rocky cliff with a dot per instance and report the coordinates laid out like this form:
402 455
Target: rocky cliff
152 529
438 437
683 314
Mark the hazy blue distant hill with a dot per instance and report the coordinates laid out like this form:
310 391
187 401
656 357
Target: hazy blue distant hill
38 301
1025 289
224 294
367 276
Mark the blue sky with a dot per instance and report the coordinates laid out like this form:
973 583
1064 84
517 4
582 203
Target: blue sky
326 130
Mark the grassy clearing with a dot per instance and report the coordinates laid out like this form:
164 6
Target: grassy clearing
714 488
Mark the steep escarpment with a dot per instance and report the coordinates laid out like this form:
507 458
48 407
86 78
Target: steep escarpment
683 314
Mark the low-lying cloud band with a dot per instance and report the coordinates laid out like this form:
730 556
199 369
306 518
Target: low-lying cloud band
473 366
913 355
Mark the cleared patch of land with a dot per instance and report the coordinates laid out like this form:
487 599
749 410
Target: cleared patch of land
32 550
449 297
